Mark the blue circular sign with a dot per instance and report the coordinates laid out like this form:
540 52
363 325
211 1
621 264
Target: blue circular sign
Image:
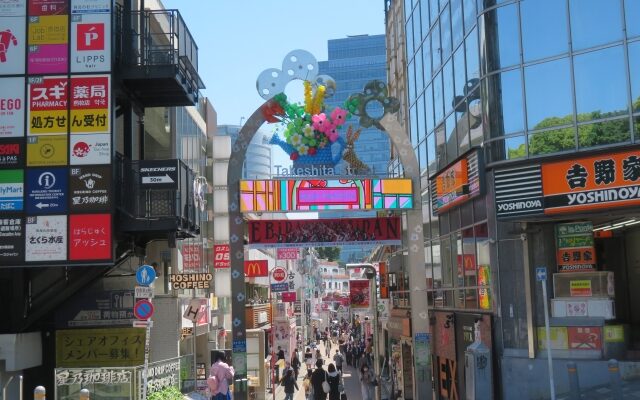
145 275
143 309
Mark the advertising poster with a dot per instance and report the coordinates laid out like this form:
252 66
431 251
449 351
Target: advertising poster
90 6
90 149
48 44
11 190
11 239
574 243
359 293
12 107
90 104
288 254
89 188
48 98
221 256
584 337
100 347
12 153
97 307
47 190
305 233
13 8
48 7
90 237
46 238
559 338
90 43
191 260
46 150
13 39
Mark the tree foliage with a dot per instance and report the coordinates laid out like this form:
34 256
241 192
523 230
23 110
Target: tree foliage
328 253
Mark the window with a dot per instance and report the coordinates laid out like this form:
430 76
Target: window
447 78
544 28
459 73
420 131
457 32
603 133
634 67
438 100
431 154
548 94
419 70
452 140
552 141
632 13
409 31
601 84
445 31
471 50
505 103
595 22
436 49
426 60
469 7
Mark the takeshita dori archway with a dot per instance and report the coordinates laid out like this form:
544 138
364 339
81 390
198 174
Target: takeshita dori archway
300 64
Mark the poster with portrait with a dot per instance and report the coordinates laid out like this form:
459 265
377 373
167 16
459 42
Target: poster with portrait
359 293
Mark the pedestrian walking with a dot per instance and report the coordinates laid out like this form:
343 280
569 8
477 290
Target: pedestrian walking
317 378
319 357
290 385
295 364
306 384
334 379
368 383
308 359
220 374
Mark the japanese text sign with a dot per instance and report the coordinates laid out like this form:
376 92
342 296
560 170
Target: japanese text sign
191 260
46 238
608 180
46 190
457 183
100 347
90 104
76 376
90 188
48 44
288 254
90 237
48 7
11 107
221 256
575 251
48 98
11 239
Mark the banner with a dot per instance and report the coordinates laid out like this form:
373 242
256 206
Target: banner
288 254
191 259
306 233
221 256
90 237
100 347
256 268
359 293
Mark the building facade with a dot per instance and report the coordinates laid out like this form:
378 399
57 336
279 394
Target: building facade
259 152
523 119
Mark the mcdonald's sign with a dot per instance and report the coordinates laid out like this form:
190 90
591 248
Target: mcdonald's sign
256 268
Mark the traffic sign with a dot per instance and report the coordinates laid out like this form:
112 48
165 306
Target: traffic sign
142 324
143 292
541 274
145 275
279 274
143 309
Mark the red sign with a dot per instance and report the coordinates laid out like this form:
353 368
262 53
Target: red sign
47 7
288 297
143 309
288 254
90 237
584 337
305 233
90 36
90 104
221 256
279 274
359 293
191 260
384 280
256 268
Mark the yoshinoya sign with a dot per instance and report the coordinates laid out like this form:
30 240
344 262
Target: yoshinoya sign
159 174
458 183
575 251
190 281
518 191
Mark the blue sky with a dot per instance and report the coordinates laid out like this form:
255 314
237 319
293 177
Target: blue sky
238 39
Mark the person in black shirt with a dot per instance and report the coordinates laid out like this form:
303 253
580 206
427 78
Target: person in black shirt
317 377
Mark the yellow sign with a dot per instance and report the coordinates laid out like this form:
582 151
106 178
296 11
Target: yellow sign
90 121
559 338
98 348
50 29
614 333
580 288
46 150
47 122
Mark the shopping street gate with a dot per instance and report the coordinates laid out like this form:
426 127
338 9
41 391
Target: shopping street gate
312 140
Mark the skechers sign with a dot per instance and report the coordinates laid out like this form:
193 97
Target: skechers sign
578 185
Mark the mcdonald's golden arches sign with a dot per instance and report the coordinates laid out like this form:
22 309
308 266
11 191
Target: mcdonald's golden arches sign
256 268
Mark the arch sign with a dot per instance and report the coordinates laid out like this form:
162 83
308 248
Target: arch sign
317 138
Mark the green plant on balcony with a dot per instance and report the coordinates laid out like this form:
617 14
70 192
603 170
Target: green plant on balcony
168 393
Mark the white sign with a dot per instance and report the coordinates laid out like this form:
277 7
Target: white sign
90 149
13 38
90 6
157 179
143 292
65 377
91 43
193 311
13 8
11 107
142 324
46 238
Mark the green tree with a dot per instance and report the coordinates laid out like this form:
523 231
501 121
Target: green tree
328 253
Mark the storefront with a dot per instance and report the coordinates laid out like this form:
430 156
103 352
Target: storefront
401 354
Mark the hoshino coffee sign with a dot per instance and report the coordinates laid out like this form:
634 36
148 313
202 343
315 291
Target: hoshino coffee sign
584 184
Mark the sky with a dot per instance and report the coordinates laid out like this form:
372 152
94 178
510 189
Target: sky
238 39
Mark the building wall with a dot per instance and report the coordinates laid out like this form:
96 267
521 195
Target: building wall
258 159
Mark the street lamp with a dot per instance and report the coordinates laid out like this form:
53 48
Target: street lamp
370 273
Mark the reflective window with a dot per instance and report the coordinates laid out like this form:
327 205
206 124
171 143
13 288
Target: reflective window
441 142
431 154
548 94
426 59
552 141
420 133
413 117
603 133
419 71
505 22
462 131
632 14
417 36
411 82
636 128
469 8
447 78
428 102
459 73
452 140
601 84
471 50
475 118
422 149
433 10
407 9
445 32
436 50
437 98
595 22
505 103
634 67
409 31
515 147
457 31
424 18
544 28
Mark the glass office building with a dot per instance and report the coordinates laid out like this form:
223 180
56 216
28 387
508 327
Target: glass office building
533 107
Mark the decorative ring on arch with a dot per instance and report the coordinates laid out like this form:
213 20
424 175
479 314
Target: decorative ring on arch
374 92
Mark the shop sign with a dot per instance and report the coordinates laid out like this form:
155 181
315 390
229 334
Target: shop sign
591 183
221 256
13 35
46 238
90 188
96 307
90 104
105 347
288 254
90 42
48 51
191 260
279 287
11 239
13 8
11 190
159 174
90 237
580 288
584 337
46 150
359 293
48 100
190 281
306 233
90 6
458 183
384 280
91 376
614 334
288 297
577 308
484 291
48 7
11 106
12 153
399 327
161 375
575 251
518 191
559 338
46 190
256 268
90 149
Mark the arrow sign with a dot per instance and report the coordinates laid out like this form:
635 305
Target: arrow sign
43 205
541 274
157 179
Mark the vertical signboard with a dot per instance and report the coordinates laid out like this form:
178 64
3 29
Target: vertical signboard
46 191
221 256
575 251
90 42
48 51
90 100
46 238
48 100
191 259
11 239
359 293
90 237
13 36
11 190
11 106
89 188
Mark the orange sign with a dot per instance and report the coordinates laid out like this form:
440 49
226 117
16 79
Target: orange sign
384 280
607 180
256 268
452 185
